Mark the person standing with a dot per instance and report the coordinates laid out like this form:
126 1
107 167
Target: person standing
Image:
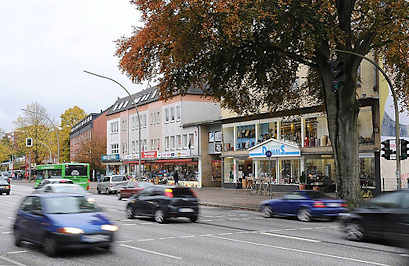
176 177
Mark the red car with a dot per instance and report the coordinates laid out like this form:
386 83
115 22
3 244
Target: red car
132 188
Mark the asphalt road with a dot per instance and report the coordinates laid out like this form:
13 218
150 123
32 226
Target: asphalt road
221 237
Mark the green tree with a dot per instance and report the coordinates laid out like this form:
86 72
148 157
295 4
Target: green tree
69 118
247 52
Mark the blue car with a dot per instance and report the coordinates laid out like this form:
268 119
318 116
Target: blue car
56 221
305 205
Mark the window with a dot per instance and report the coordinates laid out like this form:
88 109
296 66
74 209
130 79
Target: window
178 142
114 127
145 145
191 141
124 125
144 120
157 144
115 148
172 143
177 113
133 147
172 114
158 119
184 141
167 143
152 145
136 145
27 204
166 115
151 119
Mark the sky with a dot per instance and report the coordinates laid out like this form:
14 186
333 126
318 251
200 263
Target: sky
46 45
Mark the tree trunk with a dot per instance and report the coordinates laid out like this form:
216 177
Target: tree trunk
342 115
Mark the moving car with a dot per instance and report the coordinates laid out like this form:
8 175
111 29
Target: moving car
384 217
111 184
163 202
5 186
56 221
132 188
305 205
62 188
53 181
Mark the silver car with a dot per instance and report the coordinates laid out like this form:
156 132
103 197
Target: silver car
62 188
111 184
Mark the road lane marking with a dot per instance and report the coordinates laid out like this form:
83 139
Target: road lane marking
224 234
128 224
147 223
169 237
124 241
292 237
206 235
189 236
6 232
207 220
12 261
151 252
17 252
301 251
146 239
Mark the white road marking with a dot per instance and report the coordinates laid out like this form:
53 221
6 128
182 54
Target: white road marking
6 232
306 228
169 237
224 234
290 229
147 223
128 224
207 235
292 237
190 236
146 239
207 220
17 252
302 251
124 241
126 220
151 252
12 261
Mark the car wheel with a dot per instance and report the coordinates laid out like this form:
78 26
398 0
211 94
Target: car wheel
160 217
99 191
130 213
50 247
267 211
354 231
119 196
194 219
8 193
107 247
304 215
17 238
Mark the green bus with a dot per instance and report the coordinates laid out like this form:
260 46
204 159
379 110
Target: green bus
77 172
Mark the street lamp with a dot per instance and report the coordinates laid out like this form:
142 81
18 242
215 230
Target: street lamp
395 104
137 113
55 127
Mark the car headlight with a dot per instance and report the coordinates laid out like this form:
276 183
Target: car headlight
70 230
91 200
109 227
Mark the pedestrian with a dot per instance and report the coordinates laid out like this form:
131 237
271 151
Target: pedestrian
176 177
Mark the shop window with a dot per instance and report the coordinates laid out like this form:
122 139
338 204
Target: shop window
172 143
246 137
267 131
316 133
178 113
166 115
178 142
184 141
291 131
228 139
228 170
167 143
172 114
115 148
320 173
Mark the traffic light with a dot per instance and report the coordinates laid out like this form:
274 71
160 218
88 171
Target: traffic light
386 149
29 142
338 75
403 149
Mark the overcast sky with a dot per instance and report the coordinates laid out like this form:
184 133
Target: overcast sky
46 45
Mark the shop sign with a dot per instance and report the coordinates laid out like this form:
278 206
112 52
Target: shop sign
211 136
149 154
218 136
276 148
174 154
110 157
218 147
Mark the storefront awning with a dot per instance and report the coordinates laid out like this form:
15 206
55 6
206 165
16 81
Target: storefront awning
277 149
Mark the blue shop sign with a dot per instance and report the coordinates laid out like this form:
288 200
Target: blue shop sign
276 148
110 157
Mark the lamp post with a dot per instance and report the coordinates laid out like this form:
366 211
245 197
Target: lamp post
395 104
137 113
55 127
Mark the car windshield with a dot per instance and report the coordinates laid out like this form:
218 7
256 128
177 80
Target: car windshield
316 195
3 179
68 189
117 178
69 204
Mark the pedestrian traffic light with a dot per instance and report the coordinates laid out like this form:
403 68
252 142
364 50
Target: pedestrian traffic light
403 149
29 142
386 148
338 75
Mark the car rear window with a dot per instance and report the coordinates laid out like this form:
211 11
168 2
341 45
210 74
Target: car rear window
69 189
117 178
182 193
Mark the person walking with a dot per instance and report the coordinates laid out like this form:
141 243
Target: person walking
176 177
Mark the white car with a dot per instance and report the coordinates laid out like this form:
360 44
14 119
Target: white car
53 181
62 188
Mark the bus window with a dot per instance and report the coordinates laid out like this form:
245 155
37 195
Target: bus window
76 170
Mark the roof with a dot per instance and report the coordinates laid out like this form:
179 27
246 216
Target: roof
56 195
151 94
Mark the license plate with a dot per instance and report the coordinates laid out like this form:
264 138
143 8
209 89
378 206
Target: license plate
95 238
334 205
185 210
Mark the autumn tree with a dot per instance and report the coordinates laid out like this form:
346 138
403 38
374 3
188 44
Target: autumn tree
248 53
33 123
5 147
69 118
90 151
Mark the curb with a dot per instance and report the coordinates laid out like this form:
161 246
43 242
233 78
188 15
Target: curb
208 204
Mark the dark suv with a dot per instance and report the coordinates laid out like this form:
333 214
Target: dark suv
163 202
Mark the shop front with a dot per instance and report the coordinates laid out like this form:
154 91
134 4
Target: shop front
113 164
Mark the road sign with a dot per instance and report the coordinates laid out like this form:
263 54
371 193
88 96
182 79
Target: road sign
268 154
